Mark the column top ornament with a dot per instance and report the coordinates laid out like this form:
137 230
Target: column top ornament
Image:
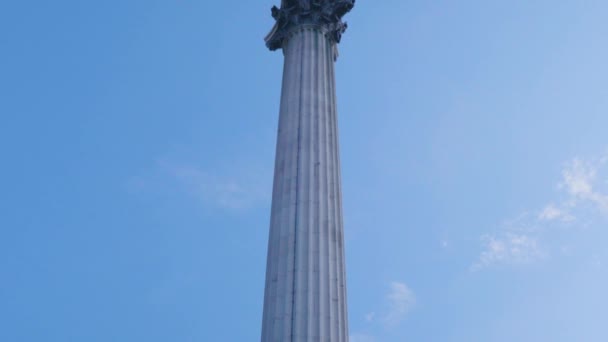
293 13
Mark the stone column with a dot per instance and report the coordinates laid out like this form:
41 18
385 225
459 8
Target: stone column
305 295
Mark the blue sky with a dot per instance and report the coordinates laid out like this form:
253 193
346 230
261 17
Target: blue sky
137 142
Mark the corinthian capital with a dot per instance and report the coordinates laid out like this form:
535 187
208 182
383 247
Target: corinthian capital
293 13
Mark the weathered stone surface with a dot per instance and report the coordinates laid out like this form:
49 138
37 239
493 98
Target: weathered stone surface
305 294
327 13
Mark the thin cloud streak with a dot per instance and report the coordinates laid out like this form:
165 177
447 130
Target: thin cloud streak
552 213
401 300
582 187
580 180
509 248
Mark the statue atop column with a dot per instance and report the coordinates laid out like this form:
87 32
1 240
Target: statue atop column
326 13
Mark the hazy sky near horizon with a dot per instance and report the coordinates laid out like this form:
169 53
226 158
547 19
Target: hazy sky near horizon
137 142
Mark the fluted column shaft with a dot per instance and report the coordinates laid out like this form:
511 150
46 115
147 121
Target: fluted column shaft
305 295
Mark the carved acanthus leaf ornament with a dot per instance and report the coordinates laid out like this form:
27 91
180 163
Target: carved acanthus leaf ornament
326 14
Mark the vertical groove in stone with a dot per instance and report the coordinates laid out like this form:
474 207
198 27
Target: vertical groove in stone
339 224
311 176
335 311
333 244
314 192
340 242
332 208
303 190
337 205
300 189
322 201
327 315
289 228
305 297
321 213
342 253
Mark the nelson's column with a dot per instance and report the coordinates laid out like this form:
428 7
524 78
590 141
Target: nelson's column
305 294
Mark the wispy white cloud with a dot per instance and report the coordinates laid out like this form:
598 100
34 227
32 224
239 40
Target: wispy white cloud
524 223
401 300
553 213
580 181
578 177
508 248
583 195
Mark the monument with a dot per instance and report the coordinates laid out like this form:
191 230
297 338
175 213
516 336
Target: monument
305 294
